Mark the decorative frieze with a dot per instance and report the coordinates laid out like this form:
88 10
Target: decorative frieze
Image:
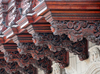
55 43
39 52
76 30
61 57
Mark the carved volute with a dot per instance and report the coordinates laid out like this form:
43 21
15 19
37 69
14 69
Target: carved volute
55 43
45 64
37 52
77 30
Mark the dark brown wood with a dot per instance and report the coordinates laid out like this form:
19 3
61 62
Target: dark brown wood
77 30
39 52
71 21
8 67
55 43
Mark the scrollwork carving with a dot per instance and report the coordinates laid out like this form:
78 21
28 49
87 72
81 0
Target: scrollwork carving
77 30
37 52
45 64
56 43
61 57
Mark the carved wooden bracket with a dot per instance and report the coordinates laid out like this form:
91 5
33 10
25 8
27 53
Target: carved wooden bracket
12 67
37 52
27 59
9 67
61 57
44 64
72 19
10 52
55 43
77 30
23 60
30 69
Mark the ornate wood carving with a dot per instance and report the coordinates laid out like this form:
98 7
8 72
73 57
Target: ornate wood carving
30 69
61 57
77 30
23 60
12 67
55 43
17 12
12 56
2 71
27 59
38 52
9 67
75 19
10 51
45 64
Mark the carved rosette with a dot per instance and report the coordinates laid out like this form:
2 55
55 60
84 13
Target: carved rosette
77 30
56 43
37 52
45 64
41 39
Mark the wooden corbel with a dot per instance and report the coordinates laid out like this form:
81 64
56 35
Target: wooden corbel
56 42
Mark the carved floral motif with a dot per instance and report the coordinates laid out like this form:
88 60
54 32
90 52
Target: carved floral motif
77 30
39 52
56 43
